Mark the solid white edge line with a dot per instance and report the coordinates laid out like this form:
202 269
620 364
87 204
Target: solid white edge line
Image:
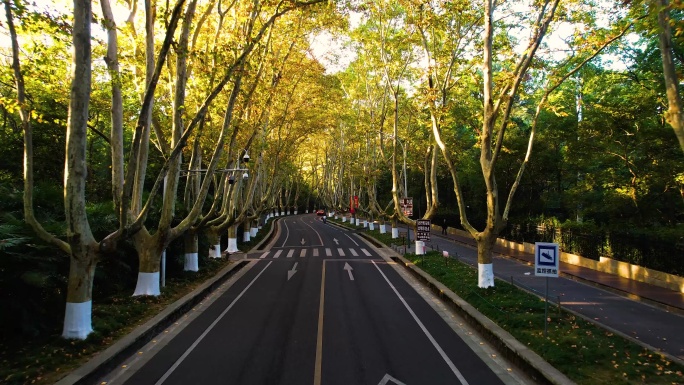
201 337
287 233
352 239
441 352
317 233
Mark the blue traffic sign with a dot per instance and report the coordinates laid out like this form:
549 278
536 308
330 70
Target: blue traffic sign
546 259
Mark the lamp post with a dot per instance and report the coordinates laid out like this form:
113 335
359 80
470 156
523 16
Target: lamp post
403 147
215 250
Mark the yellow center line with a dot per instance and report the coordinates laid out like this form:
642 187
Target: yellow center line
319 338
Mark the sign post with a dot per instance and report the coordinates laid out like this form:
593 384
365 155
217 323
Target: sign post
407 206
407 209
546 264
423 229
422 234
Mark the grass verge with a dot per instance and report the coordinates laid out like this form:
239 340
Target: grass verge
583 351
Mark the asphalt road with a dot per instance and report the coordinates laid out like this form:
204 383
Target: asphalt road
640 321
318 306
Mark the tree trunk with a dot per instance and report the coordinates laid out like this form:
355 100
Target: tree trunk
255 227
191 251
77 319
246 231
214 239
395 228
77 316
485 246
116 136
149 254
232 239
674 115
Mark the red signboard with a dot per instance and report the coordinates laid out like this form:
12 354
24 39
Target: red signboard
356 201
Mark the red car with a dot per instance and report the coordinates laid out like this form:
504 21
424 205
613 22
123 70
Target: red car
320 212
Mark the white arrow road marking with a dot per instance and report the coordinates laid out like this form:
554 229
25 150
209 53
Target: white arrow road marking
292 272
289 253
429 336
264 255
387 379
341 252
328 252
303 241
277 254
213 324
336 241
302 253
349 270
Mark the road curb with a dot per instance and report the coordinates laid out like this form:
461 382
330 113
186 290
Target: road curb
111 357
524 358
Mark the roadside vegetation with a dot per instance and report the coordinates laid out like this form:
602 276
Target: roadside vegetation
582 350
47 357
131 127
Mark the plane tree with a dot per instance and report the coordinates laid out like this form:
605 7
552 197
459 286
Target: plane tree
501 76
128 182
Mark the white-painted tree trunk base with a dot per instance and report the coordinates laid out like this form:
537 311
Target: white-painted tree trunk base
420 248
395 232
485 275
287 212
148 284
282 213
307 211
191 262
232 245
215 251
246 236
358 222
383 229
78 320
295 212
254 231
344 219
277 214
371 226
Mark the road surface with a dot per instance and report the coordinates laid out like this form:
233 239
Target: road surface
317 306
